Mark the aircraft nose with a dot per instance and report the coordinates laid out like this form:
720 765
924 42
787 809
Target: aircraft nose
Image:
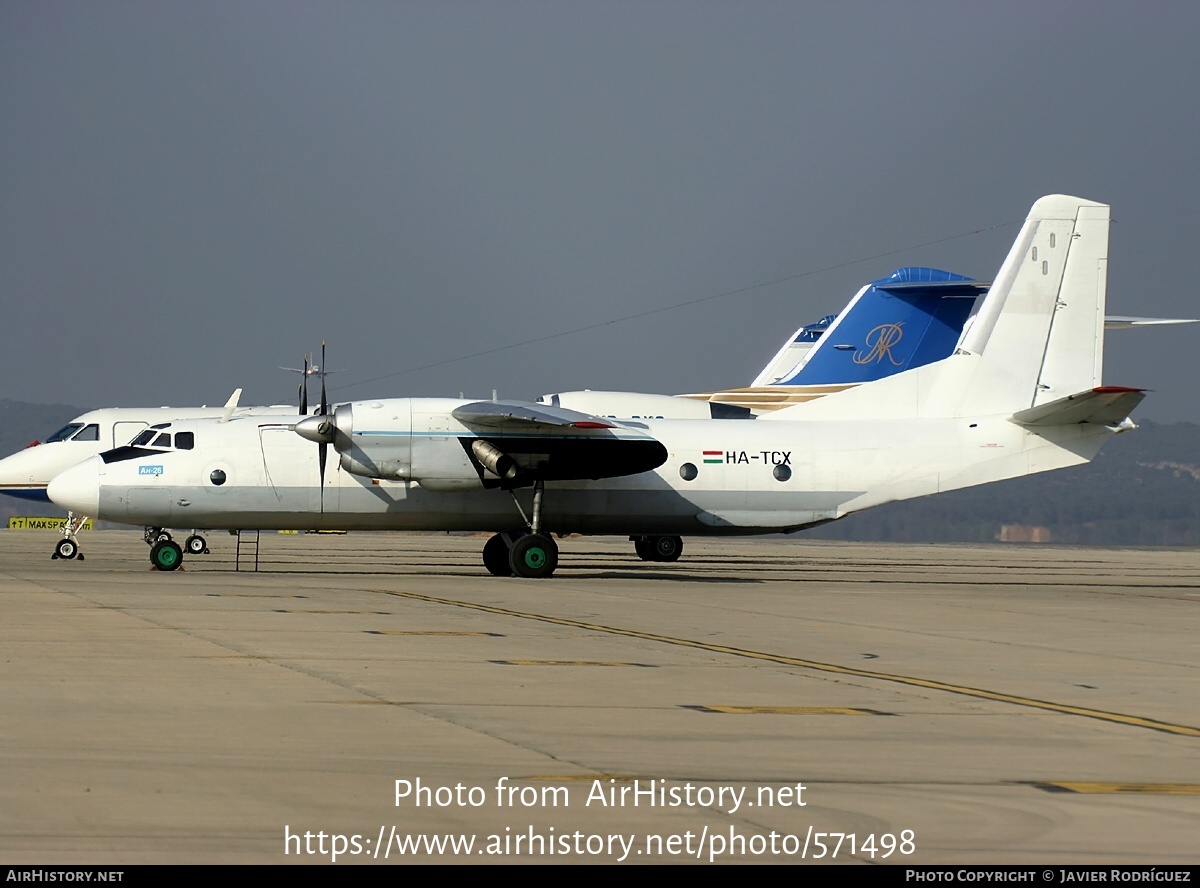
23 475
15 470
78 488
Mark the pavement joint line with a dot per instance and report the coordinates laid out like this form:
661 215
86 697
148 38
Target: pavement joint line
832 668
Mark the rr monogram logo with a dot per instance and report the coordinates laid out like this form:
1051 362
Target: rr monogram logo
881 341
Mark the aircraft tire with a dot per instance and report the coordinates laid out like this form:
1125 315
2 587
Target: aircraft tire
195 545
166 555
66 549
163 536
644 549
533 556
495 557
667 548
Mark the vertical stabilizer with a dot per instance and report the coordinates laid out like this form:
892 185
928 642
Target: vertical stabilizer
1040 332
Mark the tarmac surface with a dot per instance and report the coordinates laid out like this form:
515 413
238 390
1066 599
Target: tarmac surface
757 701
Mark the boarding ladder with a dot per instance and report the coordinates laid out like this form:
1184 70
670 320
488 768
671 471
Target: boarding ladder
247 545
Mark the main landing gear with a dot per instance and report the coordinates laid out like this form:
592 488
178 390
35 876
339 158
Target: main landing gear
533 555
658 548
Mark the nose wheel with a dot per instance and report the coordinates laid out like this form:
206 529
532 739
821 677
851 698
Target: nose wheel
166 555
154 535
66 549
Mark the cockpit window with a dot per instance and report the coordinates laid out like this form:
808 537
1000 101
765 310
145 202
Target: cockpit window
161 425
151 437
90 432
65 432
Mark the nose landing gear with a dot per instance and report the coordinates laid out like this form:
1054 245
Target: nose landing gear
68 547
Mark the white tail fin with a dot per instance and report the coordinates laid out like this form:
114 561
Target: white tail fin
1040 331
1038 336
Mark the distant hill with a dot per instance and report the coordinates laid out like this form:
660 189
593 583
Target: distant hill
22 423
1142 490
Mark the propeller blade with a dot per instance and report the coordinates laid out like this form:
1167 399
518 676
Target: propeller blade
304 388
324 402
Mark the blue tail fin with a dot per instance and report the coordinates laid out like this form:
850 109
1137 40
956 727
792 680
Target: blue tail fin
912 317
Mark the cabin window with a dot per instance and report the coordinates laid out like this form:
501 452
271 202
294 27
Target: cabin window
688 472
217 477
782 473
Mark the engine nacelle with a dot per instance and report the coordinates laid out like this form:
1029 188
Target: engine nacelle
374 439
495 460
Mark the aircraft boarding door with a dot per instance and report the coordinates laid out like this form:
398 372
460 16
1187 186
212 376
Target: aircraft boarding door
290 471
124 432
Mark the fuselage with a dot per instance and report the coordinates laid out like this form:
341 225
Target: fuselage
406 465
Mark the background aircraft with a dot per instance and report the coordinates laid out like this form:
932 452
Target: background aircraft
1021 393
27 473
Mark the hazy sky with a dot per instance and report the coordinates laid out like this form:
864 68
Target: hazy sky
193 194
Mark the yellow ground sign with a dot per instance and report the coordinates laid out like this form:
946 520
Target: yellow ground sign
32 522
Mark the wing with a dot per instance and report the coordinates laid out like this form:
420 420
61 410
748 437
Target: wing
514 415
522 442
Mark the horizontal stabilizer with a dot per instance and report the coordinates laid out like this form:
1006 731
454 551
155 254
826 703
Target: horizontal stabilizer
1106 405
1120 322
956 287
